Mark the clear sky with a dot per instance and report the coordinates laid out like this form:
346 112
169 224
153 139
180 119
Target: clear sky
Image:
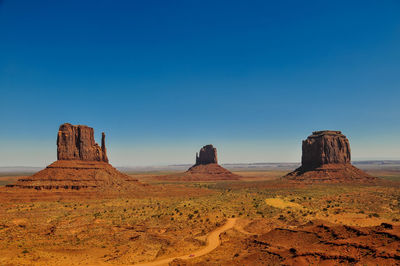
163 78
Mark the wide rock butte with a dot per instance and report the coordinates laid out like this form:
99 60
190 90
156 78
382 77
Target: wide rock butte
81 163
77 143
326 157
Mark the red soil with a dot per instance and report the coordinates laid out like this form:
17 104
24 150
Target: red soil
328 244
76 174
331 173
203 172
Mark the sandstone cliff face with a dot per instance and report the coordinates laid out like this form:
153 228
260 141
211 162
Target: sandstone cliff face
77 143
207 155
325 147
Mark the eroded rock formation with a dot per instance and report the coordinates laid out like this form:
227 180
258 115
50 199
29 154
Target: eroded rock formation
77 143
81 163
320 242
206 168
207 154
326 157
325 147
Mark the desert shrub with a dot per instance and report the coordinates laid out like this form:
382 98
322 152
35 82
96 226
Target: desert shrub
387 226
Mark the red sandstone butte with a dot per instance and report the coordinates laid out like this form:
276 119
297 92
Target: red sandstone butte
326 157
206 168
207 155
81 163
77 143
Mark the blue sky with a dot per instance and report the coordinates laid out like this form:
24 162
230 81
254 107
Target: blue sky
163 78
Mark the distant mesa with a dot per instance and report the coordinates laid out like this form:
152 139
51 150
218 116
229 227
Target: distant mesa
326 157
81 163
206 168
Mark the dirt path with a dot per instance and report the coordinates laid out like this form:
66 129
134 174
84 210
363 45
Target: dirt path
212 243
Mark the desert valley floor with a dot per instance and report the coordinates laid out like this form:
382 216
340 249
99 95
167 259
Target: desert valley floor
256 220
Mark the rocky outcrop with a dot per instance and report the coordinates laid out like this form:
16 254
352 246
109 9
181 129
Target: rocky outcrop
81 164
326 157
77 143
206 168
207 154
319 242
325 147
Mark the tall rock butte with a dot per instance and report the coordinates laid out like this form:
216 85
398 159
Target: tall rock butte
326 157
207 154
77 143
207 168
81 163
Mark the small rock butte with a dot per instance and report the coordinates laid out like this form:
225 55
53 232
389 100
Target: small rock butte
207 167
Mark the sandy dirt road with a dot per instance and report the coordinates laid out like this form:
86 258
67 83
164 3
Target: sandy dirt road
213 242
